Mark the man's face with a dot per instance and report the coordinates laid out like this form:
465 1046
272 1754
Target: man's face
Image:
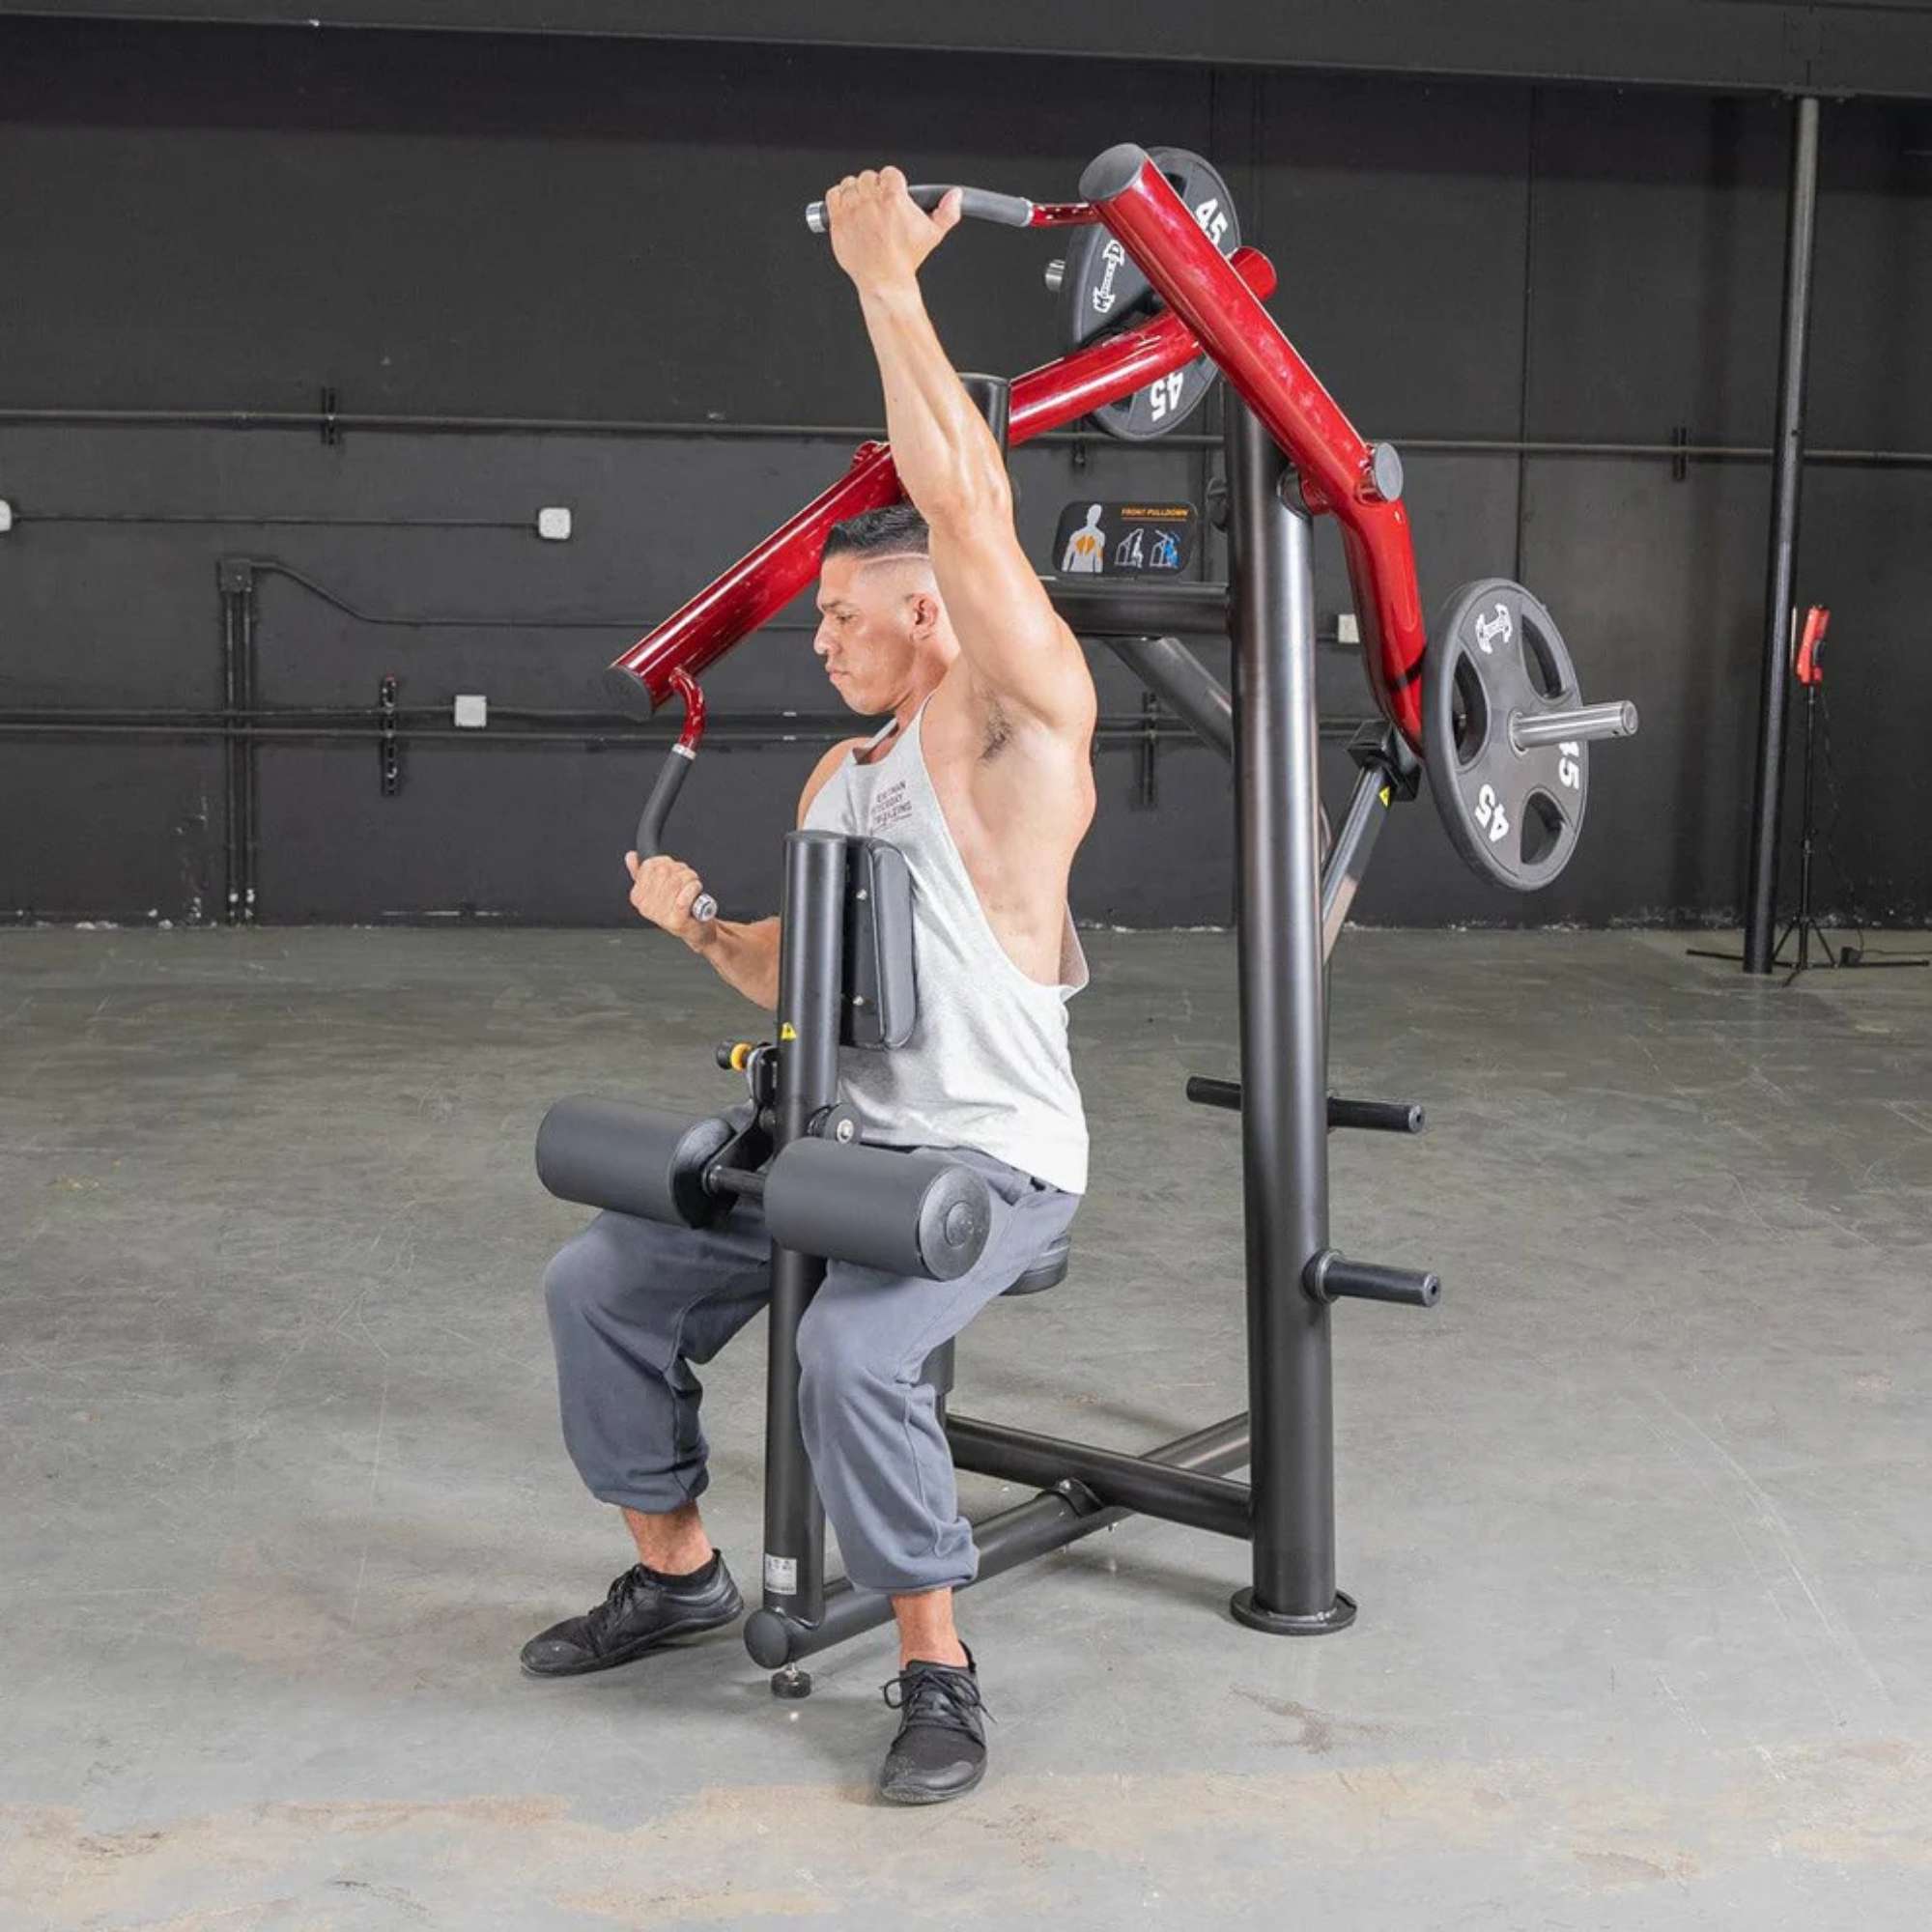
873 618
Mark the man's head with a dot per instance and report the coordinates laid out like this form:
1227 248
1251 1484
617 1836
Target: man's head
882 629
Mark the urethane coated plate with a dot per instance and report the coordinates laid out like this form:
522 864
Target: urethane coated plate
1101 290
1495 654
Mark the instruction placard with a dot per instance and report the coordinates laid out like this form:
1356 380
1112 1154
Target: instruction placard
1154 538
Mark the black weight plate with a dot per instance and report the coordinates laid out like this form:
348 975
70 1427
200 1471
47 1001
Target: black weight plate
1101 290
1495 653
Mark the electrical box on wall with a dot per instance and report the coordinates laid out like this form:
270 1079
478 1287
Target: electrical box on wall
554 523
5 516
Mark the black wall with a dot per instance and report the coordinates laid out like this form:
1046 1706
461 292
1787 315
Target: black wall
207 220
1820 47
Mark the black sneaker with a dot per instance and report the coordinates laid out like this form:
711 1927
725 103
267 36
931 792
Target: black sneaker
941 1749
642 1610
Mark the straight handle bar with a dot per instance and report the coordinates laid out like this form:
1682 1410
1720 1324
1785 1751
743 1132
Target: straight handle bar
1615 719
976 204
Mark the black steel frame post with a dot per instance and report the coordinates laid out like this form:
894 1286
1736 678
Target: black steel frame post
1128 609
1349 860
1283 1046
1183 683
993 397
1386 771
1787 475
810 982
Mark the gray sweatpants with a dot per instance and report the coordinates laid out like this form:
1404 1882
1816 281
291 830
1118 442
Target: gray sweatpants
634 1303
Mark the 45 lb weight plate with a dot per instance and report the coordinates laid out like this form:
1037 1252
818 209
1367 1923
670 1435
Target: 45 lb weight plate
1101 290
1499 680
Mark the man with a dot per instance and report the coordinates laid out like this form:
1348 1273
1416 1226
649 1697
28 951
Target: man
931 613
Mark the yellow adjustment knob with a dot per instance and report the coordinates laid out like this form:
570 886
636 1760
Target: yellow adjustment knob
741 1056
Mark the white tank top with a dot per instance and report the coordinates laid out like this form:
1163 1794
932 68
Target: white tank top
987 1065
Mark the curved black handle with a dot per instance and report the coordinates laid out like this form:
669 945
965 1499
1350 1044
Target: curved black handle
671 781
976 204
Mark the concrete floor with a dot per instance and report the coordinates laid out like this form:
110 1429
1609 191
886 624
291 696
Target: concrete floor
1640 1520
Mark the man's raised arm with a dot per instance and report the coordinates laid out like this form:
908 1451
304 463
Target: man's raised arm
1017 649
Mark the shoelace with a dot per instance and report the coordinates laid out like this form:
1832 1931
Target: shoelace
633 1579
936 1697
616 1599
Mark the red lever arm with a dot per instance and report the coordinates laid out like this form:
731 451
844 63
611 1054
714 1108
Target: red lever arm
1337 468
762 581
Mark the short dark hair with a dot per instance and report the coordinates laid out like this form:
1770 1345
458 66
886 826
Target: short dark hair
897 530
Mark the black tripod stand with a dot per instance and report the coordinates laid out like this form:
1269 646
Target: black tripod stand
1809 668
1804 924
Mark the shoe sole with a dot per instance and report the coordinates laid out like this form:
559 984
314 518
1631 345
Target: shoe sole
906 1796
688 1627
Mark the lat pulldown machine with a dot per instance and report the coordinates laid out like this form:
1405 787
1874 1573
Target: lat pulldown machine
1490 708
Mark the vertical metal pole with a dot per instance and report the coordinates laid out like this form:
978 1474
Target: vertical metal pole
231 769
993 397
811 982
1787 460
235 578
1283 1046
247 752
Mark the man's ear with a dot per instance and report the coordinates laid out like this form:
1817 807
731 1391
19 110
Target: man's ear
924 614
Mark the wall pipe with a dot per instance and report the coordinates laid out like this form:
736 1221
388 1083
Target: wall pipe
722 736
798 432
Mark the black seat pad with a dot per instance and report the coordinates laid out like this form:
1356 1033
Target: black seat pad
1048 1272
